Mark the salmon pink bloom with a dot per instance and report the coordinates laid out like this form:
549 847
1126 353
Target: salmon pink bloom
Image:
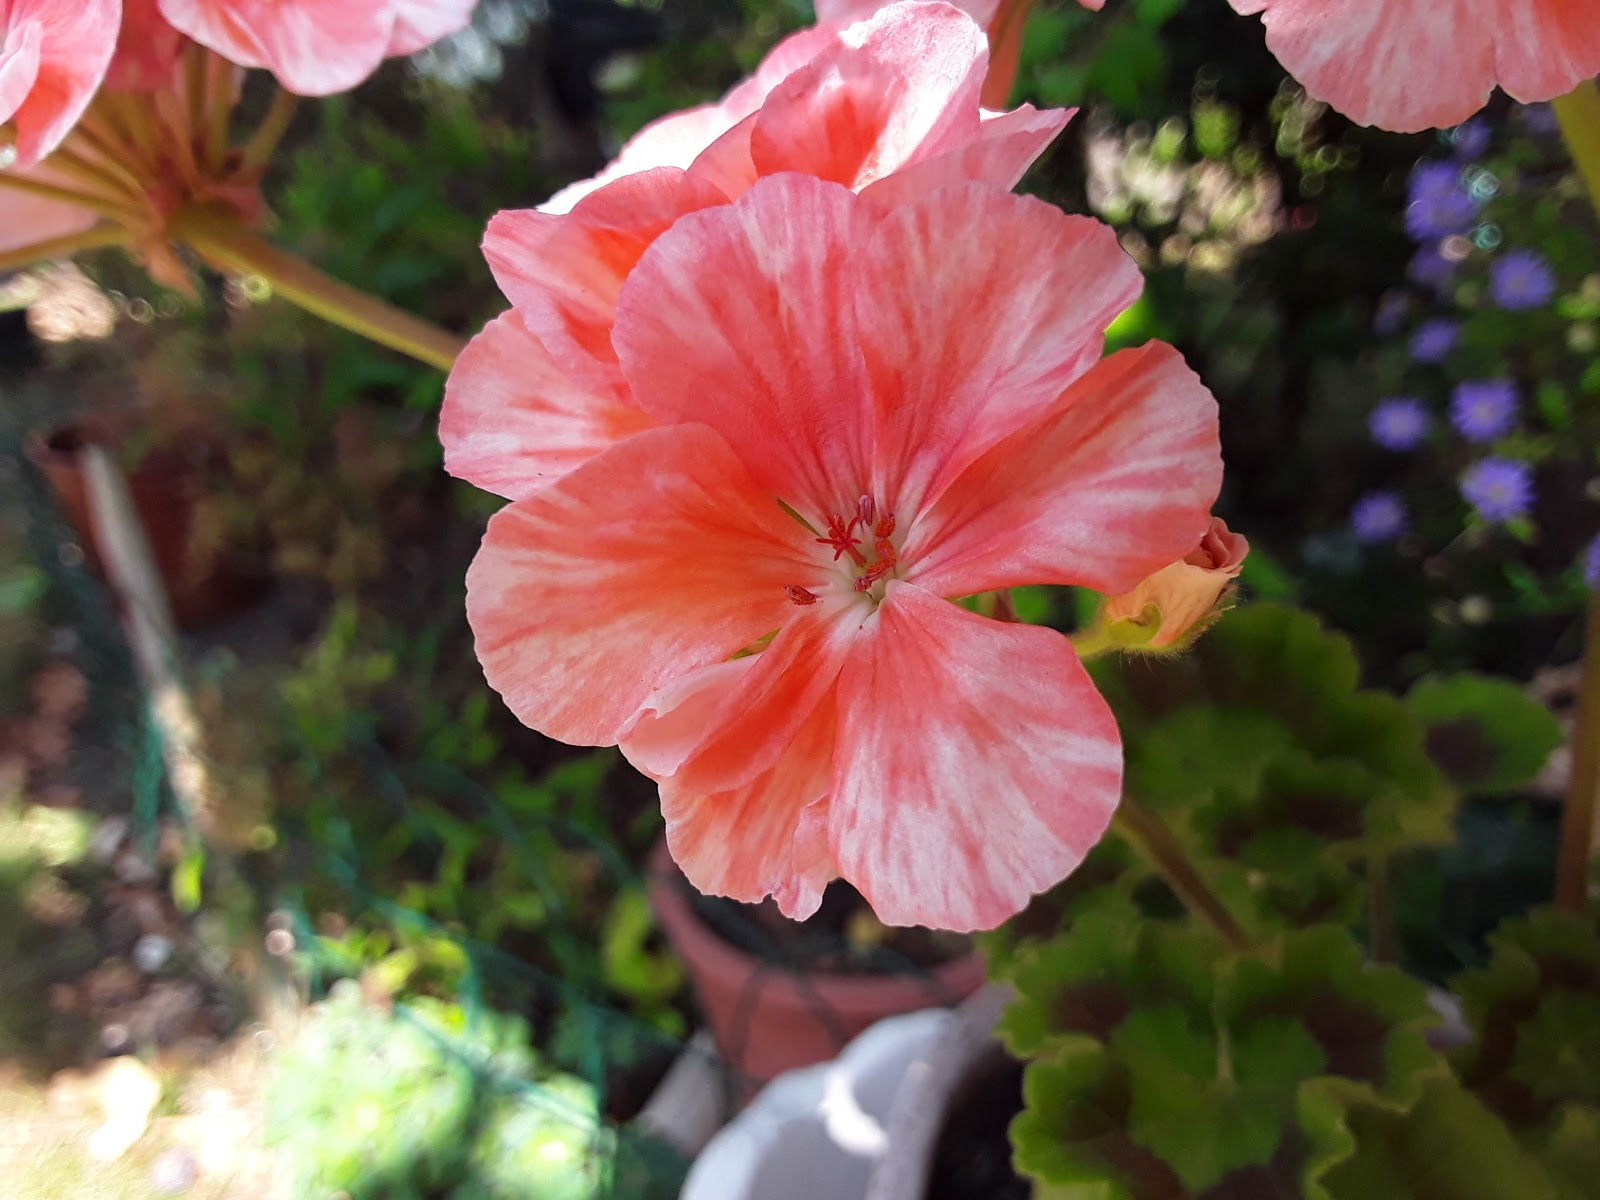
53 54
148 49
1002 21
859 87
860 412
888 107
1184 594
316 47
1408 65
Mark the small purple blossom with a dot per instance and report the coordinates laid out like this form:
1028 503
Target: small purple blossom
1484 409
1500 489
1470 140
1378 517
1393 306
1431 269
1433 340
1399 423
1591 564
1539 118
1437 202
1520 280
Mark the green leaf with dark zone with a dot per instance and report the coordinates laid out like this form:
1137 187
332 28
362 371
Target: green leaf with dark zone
1242 1088
1205 1104
1104 883
1089 978
1527 1007
1447 1146
1571 1153
1485 734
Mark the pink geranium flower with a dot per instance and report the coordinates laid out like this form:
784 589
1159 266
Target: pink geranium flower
148 49
888 108
1002 20
316 47
53 54
1408 65
859 412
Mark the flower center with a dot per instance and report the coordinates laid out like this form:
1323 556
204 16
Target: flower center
848 538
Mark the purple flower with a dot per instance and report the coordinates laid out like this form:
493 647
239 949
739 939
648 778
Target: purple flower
1398 424
1591 564
1470 140
1520 280
1437 204
1432 341
1430 268
1378 517
1484 409
1501 489
1393 306
1539 118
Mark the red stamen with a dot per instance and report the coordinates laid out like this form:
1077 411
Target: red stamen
841 539
886 560
800 595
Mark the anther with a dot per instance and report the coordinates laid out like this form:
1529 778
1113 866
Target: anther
800 595
865 509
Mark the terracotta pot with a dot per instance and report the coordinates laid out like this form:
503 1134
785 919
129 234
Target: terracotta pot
164 488
767 1018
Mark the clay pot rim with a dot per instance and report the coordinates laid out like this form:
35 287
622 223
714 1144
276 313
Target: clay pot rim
682 924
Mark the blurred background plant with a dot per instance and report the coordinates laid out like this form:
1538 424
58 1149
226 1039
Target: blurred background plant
1401 332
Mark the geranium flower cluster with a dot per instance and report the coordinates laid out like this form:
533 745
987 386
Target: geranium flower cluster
115 115
780 387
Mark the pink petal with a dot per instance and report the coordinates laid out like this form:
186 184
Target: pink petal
976 764
760 709
1417 64
975 309
847 11
563 272
20 52
420 23
891 90
651 560
26 219
1114 483
767 836
513 421
1007 144
740 317
1545 48
147 49
678 139
672 141
53 55
313 47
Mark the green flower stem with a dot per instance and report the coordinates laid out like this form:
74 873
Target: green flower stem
1150 835
229 246
1579 114
1583 789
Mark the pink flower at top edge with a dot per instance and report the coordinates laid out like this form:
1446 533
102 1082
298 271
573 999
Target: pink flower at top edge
53 55
888 107
922 386
316 47
1409 65
148 49
1002 21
